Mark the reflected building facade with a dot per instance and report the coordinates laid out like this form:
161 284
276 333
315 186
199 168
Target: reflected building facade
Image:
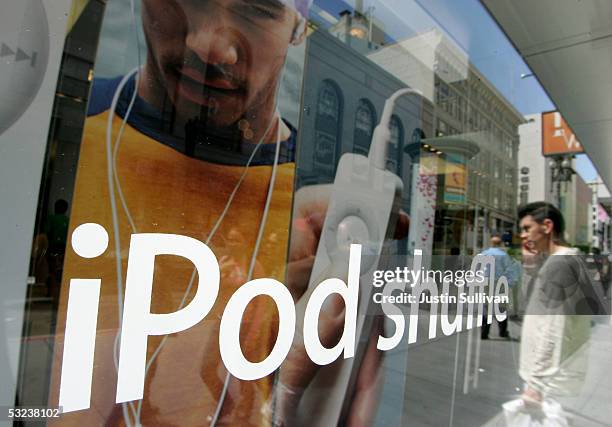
473 122
340 115
462 120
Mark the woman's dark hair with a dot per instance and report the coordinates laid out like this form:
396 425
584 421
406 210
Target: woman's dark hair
541 211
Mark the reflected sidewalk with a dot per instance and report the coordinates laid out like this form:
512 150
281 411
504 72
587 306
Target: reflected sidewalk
425 383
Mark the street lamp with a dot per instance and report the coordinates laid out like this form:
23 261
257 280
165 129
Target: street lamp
561 171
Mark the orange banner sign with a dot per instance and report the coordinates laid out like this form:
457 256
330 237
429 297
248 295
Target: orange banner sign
557 137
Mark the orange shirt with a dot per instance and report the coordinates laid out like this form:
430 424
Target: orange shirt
168 192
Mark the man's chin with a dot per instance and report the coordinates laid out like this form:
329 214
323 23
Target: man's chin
216 113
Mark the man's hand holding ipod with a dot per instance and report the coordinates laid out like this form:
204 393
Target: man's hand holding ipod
298 370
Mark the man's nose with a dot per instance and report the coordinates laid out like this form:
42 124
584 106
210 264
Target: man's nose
213 40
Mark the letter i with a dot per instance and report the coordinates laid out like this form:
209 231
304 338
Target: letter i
88 241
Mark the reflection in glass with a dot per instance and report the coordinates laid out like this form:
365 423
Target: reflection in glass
365 120
327 128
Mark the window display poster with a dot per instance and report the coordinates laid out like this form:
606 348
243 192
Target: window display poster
191 130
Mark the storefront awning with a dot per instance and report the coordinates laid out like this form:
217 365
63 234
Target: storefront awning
568 46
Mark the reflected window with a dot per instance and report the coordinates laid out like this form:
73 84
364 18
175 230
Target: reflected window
327 128
365 119
442 128
396 146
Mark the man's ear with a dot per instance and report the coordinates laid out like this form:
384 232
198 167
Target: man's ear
299 33
548 226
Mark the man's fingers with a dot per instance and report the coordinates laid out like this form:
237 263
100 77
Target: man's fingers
298 274
298 370
331 320
313 198
311 205
367 390
315 221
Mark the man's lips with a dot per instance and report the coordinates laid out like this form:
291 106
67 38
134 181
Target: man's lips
213 82
205 90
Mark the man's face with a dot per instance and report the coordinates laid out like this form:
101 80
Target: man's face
534 235
217 59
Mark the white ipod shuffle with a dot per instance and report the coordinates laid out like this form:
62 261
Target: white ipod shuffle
363 209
